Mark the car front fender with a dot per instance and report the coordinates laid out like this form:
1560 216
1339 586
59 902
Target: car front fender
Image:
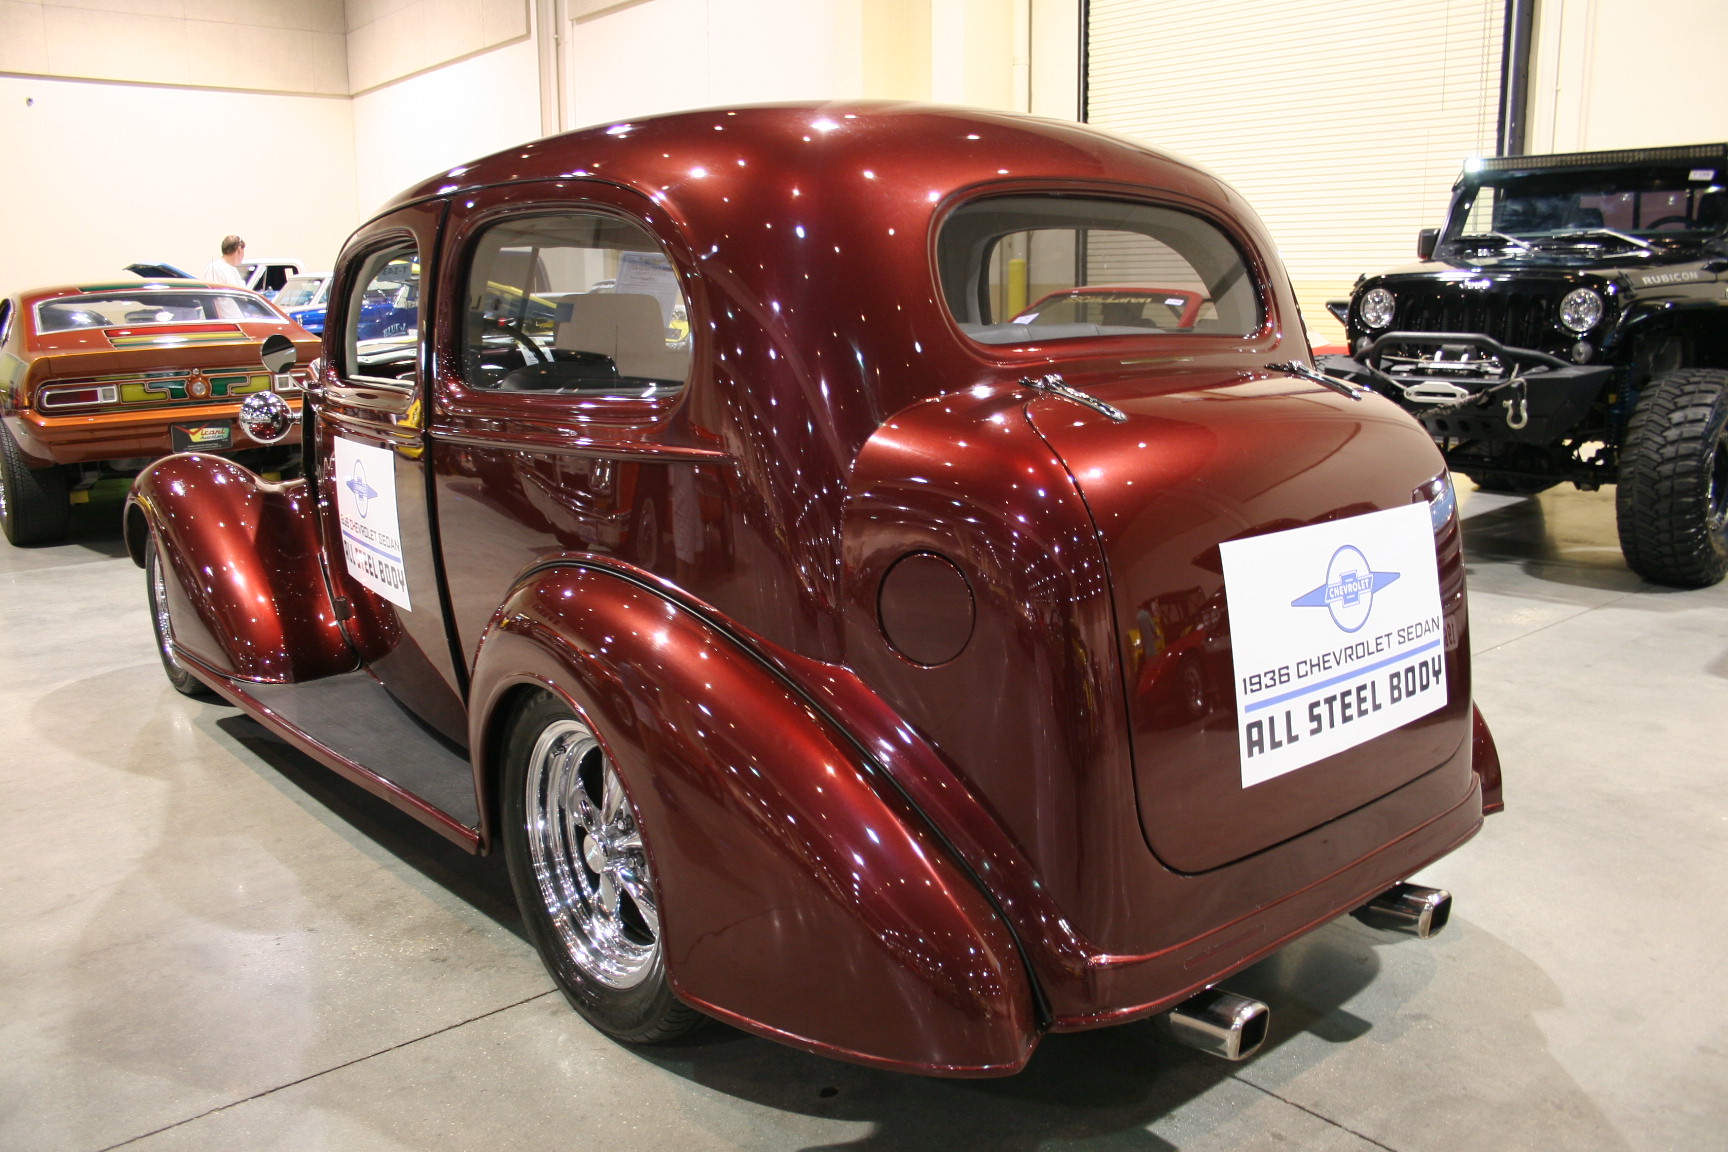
803 897
245 589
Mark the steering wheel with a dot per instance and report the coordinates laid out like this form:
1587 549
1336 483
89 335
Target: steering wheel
513 329
1663 222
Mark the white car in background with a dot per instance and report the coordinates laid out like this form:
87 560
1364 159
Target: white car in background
264 276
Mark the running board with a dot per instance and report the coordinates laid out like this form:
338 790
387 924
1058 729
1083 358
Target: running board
351 723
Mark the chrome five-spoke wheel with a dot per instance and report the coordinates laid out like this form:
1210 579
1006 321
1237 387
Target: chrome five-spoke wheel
581 873
588 858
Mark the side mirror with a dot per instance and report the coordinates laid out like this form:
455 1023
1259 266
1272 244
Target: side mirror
1426 241
265 417
277 353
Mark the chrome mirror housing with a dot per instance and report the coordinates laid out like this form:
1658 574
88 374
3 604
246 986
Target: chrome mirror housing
266 417
277 353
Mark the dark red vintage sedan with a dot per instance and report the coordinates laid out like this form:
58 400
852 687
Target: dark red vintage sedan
827 652
99 379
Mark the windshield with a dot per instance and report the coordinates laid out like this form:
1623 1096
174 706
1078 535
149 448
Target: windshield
1638 208
300 291
131 309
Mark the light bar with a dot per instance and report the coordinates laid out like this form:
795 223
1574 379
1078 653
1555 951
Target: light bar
1684 154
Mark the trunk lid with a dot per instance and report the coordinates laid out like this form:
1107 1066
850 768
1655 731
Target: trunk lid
1216 457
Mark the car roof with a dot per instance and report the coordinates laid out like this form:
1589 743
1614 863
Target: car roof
33 295
934 148
767 201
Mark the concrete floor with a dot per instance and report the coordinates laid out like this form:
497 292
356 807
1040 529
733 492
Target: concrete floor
208 942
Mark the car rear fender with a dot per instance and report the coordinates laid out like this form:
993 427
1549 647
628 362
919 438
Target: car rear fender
803 897
1485 762
246 590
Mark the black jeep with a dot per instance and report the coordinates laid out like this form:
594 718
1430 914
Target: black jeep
1570 323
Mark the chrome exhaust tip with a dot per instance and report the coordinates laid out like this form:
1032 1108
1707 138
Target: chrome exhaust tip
1408 908
1218 1023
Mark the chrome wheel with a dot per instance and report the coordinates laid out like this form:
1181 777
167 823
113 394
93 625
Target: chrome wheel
159 611
156 585
578 863
588 858
156 588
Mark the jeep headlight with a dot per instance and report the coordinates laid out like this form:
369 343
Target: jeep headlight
1580 310
1377 307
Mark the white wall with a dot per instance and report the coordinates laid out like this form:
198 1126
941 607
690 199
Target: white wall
98 176
255 45
409 130
392 39
1628 73
128 134
665 55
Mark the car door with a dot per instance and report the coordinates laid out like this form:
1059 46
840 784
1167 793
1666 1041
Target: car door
371 467
560 423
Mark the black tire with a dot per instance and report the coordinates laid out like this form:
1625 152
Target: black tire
1672 500
160 623
35 503
597 931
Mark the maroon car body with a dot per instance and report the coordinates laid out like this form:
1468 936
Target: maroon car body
913 663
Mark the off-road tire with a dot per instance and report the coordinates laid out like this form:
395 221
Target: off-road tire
35 503
582 876
1672 500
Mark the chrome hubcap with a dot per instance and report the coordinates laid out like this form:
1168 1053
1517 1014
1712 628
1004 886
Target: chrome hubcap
588 858
159 608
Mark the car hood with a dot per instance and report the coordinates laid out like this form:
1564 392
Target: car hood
1604 259
159 272
1227 457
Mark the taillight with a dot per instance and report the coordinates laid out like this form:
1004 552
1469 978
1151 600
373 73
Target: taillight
56 396
1440 497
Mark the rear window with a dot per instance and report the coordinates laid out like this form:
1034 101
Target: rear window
134 309
301 291
1035 268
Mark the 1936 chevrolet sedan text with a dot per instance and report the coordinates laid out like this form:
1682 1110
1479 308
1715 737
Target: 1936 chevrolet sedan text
829 652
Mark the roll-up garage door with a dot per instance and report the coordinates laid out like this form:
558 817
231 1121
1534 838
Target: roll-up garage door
1344 123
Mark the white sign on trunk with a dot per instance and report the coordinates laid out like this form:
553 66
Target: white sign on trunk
366 506
1336 634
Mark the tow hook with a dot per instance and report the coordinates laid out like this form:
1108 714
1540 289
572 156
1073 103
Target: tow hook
1517 408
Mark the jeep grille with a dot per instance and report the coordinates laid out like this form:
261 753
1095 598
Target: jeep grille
1516 319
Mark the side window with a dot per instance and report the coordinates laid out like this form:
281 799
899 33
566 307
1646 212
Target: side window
5 319
577 303
1021 269
382 328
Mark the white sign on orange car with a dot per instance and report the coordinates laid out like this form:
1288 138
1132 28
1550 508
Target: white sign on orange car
1336 635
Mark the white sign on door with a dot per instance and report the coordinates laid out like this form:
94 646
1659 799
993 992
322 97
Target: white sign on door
1337 636
366 507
